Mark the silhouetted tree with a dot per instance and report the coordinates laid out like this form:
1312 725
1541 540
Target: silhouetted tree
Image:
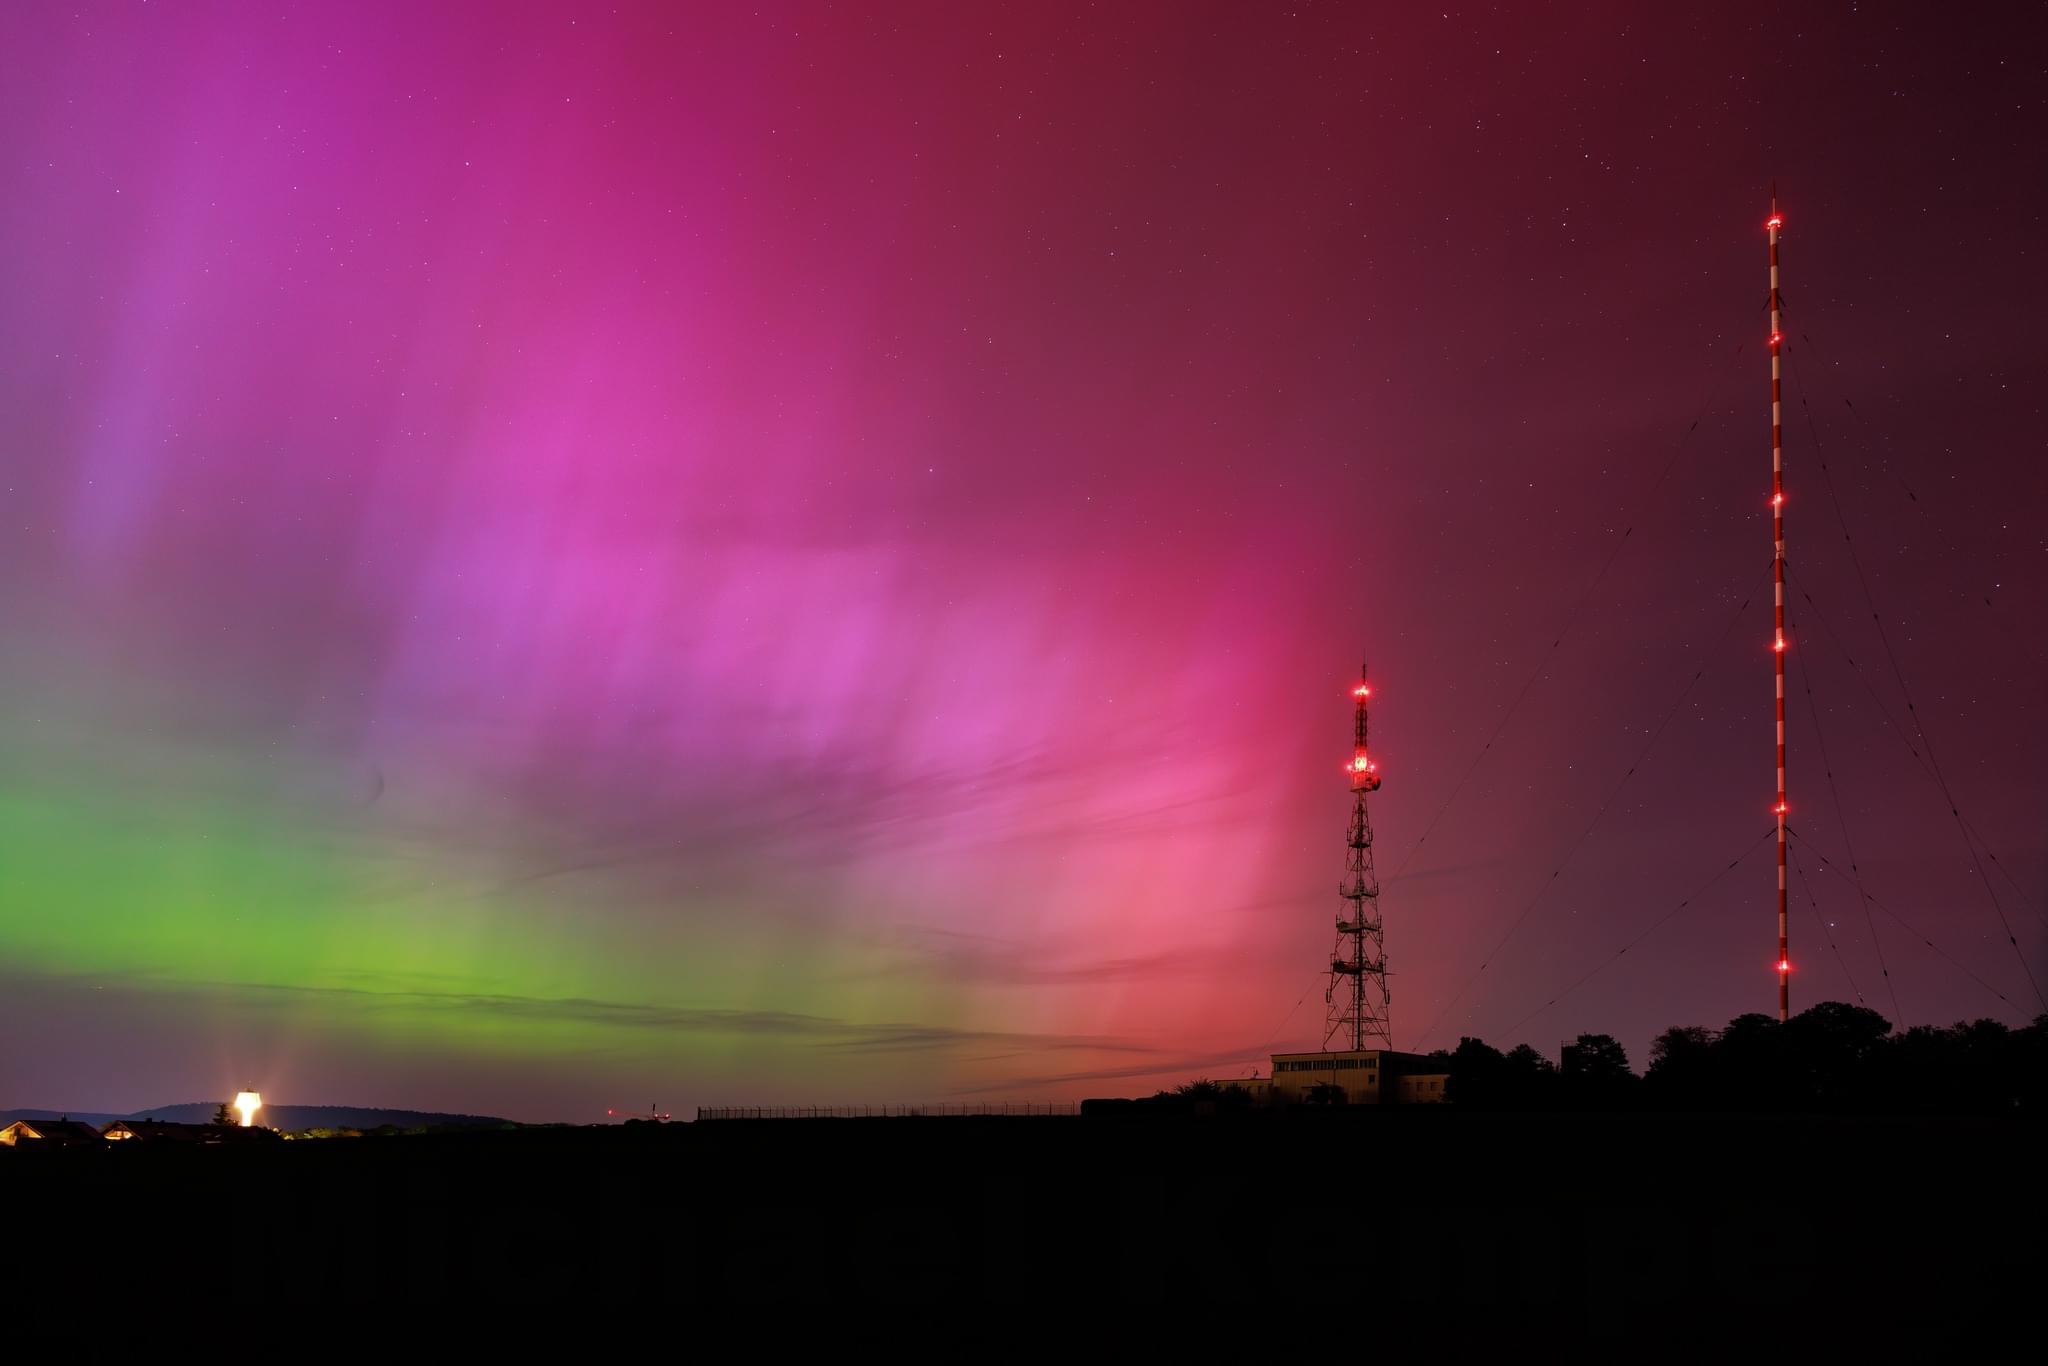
2028 1052
1528 1079
1684 1069
1595 1073
1205 1097
1829 1056
1752 1030
1974 1065
1750 1059
223 1115
1988 1065
1478 1075
1681 1045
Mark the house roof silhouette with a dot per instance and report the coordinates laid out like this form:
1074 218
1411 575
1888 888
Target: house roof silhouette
49 1131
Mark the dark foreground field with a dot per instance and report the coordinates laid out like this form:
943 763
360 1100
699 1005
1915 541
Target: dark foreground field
1605 1225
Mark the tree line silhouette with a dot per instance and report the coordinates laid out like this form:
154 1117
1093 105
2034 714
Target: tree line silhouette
1830 1057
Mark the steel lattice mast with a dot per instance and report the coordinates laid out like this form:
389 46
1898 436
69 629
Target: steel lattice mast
1772 225
1357 995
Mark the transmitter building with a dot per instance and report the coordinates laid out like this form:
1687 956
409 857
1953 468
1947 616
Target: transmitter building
1366 1076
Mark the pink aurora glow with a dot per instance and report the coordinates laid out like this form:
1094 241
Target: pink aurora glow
875 519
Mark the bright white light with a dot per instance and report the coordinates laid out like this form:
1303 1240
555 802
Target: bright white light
248 1102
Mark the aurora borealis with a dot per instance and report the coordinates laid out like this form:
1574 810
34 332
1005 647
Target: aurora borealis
550 559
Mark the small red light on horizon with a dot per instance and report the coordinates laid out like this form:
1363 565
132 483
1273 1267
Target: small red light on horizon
1778 644
1784 966
1779 809
1774 221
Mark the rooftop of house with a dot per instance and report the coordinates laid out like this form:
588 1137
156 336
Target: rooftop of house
52 1131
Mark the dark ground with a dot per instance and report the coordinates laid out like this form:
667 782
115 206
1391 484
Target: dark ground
1608 1225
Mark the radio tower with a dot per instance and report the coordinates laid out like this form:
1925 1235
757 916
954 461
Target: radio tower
1772 225
1358 1009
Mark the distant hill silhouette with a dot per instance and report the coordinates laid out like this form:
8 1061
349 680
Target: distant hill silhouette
291 1118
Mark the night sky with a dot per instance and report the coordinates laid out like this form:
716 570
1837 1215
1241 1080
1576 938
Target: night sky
554 559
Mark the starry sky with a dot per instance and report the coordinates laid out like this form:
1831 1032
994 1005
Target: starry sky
553 557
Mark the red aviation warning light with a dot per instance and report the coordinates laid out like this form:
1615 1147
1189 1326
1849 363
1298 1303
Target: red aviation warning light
1784 966
1361 691
1775 221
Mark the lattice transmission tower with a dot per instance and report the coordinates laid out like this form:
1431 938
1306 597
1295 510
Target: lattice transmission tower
1357 997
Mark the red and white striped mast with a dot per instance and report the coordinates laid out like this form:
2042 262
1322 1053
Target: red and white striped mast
1773 224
